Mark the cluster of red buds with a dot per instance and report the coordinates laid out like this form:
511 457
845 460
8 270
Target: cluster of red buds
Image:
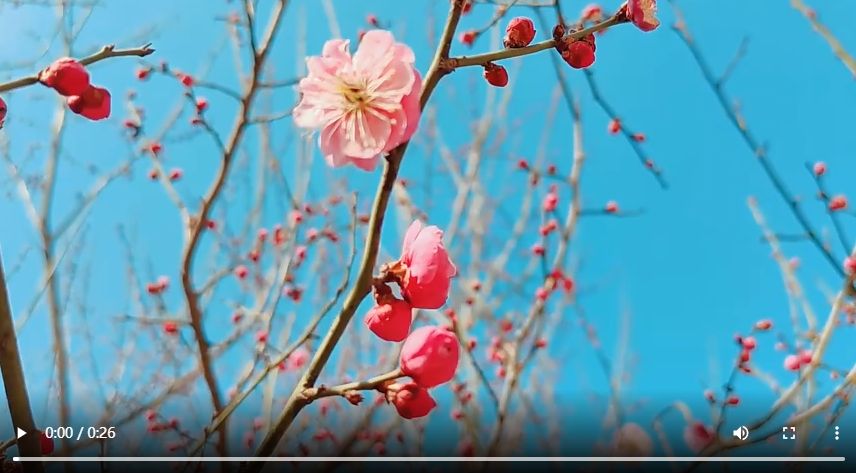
578 53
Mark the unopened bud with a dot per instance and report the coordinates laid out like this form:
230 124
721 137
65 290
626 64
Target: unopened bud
354 397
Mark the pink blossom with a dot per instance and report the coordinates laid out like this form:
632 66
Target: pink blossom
430 356
698 436
2 112
298 358
551 200
390 320
364 104
642 14
592 12
631 440
427 280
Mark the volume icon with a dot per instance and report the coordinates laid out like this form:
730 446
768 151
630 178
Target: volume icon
836 432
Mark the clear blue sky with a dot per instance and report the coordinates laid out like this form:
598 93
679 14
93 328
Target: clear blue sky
690 272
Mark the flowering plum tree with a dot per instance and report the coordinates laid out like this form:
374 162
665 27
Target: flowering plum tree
346 323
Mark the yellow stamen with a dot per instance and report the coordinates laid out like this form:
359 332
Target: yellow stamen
355 96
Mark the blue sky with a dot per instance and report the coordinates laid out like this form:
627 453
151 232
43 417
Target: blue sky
688 274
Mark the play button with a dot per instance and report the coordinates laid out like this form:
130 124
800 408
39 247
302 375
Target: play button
21 433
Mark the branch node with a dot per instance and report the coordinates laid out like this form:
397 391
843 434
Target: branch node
448 65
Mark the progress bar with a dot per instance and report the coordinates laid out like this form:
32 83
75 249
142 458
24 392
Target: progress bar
430 459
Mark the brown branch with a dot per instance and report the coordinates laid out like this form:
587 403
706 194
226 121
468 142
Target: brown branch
482 59
498 15
322 391
834 215
308 331
827 35
361 288
629 135
14 384
751 142
192 238
106 52
17 393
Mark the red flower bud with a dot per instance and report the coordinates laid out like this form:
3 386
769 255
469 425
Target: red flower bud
410 400
468 37
519 33
495 75
2 112
93 104
579 54
67 76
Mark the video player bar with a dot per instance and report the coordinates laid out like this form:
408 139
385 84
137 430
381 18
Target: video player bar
432 459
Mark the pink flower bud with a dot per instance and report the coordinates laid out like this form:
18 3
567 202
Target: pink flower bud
186 80
390 320
170 328
468 37
763 325
430 356
611 207
67 76
592 12
201 104
427 281
296 217
300 251
411 401
298 358
850 265
354 397
839 202
3 110
792 363
550 202
642 13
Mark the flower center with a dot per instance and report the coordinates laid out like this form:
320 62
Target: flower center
649 8
356 96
